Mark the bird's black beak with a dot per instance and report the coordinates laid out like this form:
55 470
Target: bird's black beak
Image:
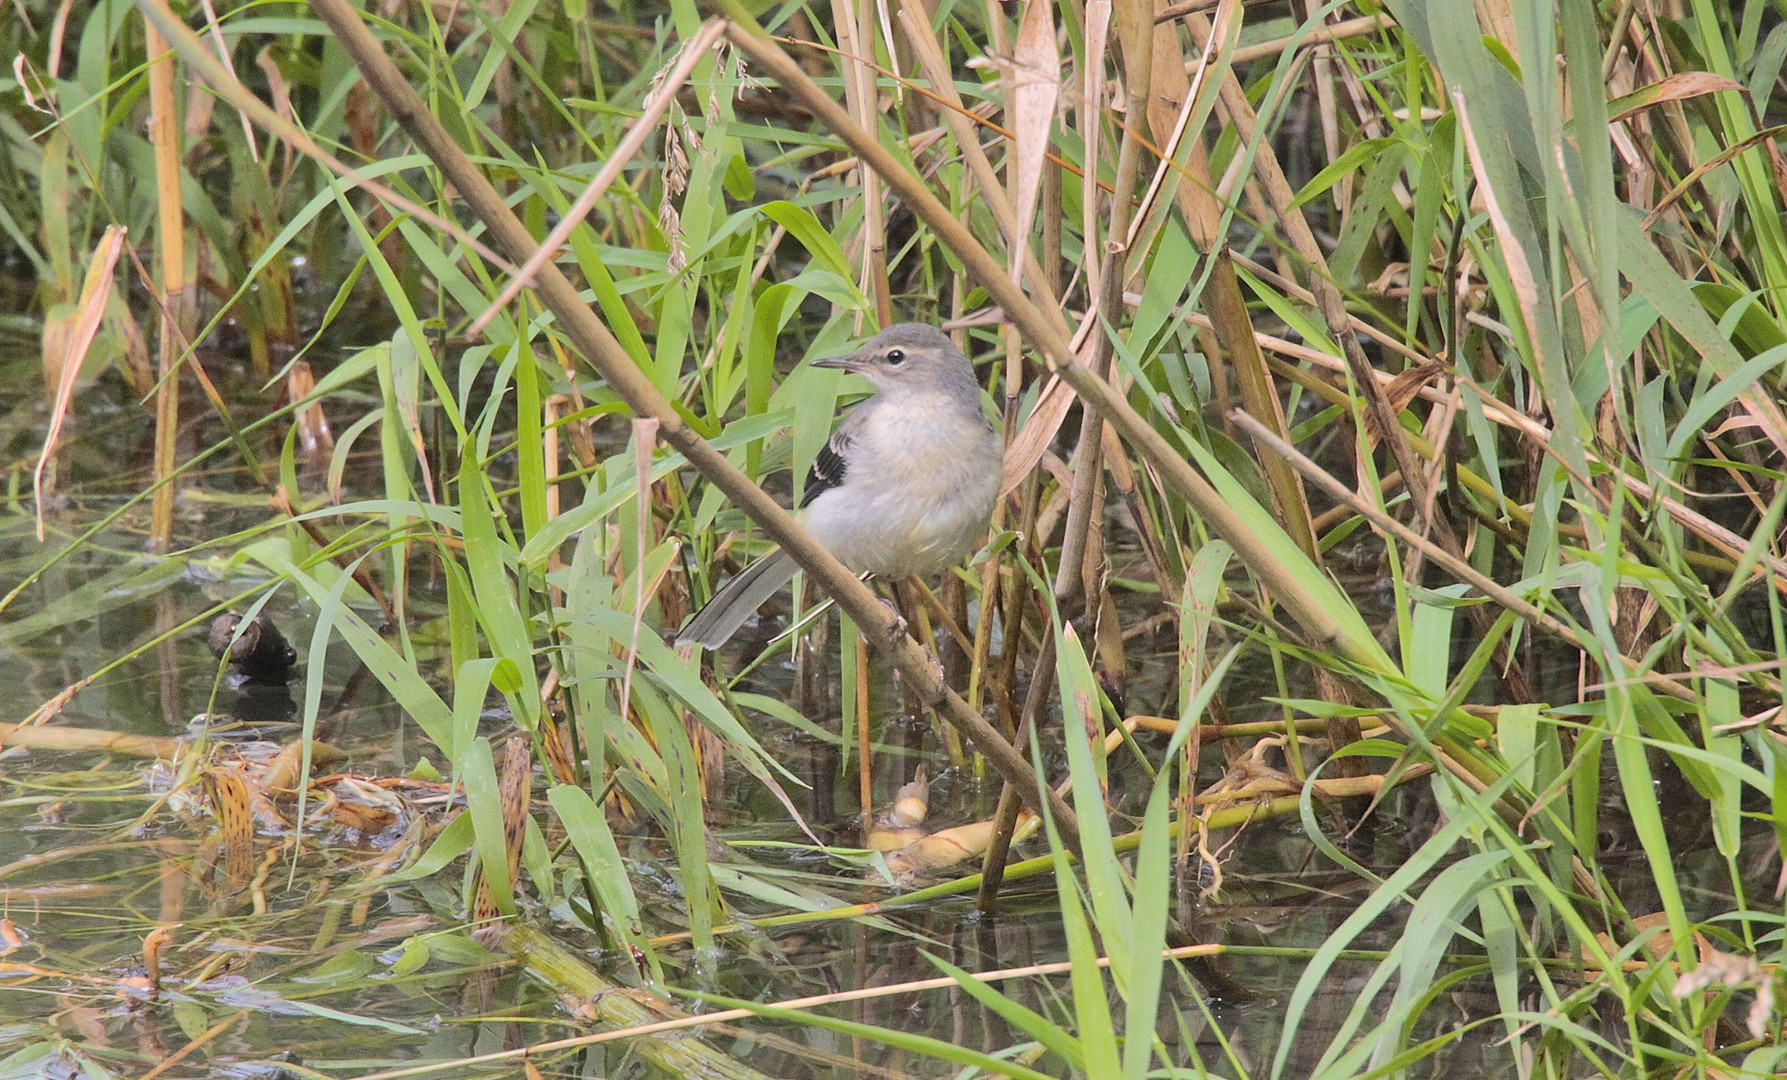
840 363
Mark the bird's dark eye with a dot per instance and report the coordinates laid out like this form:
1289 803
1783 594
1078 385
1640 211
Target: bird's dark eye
896 357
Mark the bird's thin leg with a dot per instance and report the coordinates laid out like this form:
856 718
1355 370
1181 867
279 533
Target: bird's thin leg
896 608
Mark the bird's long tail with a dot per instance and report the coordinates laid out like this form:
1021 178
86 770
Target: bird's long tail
714 624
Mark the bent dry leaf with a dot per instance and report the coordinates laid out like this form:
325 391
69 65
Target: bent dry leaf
72 346
1677 87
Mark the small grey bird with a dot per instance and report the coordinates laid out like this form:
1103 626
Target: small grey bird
906 485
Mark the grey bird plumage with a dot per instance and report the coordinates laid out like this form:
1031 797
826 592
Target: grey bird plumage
905 486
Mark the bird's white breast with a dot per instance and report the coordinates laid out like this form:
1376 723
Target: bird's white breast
920 480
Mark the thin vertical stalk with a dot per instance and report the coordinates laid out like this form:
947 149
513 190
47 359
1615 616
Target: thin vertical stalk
1015 598
164 136
1091 117
992 867
1051 226
865 779
918 603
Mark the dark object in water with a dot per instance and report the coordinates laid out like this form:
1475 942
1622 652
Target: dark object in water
261 652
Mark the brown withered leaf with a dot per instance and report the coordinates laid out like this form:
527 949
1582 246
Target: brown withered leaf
231 803
12 939
1676 87
361 817
313 425
65 350
514 779
1399 392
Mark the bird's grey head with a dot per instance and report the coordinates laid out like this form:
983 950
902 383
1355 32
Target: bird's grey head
909 356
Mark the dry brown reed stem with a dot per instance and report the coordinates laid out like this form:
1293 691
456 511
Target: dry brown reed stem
1340 31
1073 578
929 604
874 201
1005 818
1173 102
1032 85
1012 590
1327 109
41 737
1174 11
980 650
856 41
1340 787
600 348
1094 31
164 137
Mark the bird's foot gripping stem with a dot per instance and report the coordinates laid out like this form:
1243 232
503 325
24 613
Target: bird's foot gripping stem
899 620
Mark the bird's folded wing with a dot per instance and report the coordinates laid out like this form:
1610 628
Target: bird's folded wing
833 460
